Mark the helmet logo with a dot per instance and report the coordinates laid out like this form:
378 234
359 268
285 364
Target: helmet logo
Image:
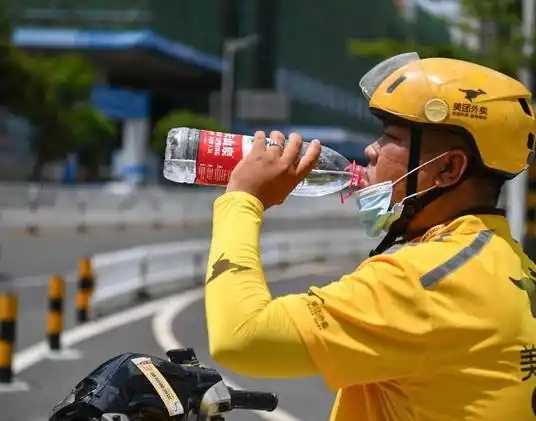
471 94
436 110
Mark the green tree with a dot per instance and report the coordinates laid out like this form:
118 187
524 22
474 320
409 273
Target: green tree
63 119
51 92
92 135
180 118
14 75
504 43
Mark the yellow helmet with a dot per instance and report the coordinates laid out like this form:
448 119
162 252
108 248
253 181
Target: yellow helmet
493 111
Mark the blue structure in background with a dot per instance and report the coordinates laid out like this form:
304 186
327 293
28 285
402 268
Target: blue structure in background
70 169
119 103
94 40
133 108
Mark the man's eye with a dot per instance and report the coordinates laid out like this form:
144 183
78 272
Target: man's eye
389 137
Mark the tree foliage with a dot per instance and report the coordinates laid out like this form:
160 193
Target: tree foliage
52 93
180 118
504 43
63 117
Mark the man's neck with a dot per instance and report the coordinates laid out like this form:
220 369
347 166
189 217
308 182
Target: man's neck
442 212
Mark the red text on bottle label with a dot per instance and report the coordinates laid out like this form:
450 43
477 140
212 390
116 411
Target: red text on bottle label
217 156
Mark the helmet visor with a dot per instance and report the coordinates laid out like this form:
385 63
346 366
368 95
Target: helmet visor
400 86
370 82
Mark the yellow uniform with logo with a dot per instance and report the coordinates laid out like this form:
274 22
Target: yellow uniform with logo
440 329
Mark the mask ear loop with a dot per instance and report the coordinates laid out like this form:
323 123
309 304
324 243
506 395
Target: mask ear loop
357 172
422 191
417 169
417 194
355 180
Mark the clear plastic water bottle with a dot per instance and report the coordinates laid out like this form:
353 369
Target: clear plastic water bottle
206 157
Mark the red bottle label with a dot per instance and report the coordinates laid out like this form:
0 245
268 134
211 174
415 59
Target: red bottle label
217 156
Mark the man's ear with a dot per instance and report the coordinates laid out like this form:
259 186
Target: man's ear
456 162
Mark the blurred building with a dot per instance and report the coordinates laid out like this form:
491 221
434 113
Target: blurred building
16 162
154 56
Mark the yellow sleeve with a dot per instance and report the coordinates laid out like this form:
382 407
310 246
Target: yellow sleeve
248 332
371 326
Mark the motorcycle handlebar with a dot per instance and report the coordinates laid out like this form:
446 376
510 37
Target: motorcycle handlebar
253 400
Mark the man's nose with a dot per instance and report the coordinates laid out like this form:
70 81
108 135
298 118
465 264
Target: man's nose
371 152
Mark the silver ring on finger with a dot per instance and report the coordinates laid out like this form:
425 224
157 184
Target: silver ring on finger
275 143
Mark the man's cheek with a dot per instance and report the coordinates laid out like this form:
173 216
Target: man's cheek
399 192
387 170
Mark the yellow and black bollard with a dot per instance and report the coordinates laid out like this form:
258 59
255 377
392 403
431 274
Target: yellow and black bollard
82 303
86 285
85 273
8 322
56 294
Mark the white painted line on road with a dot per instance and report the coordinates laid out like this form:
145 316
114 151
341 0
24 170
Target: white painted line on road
65 355
162 329
162 324
32 355
15 386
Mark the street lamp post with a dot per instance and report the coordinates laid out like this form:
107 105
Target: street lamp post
516 189
231 47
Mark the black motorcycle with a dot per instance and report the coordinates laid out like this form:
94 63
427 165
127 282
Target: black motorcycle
139 387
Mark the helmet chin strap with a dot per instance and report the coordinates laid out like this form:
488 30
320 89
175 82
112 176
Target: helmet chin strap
413 204
413 161
412 207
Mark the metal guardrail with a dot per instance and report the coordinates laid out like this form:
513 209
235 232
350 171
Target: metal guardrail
132 274
97 196
135 272
34 206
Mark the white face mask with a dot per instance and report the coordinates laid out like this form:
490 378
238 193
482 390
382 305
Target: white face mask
374 203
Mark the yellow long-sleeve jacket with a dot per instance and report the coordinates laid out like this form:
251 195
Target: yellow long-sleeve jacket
440 329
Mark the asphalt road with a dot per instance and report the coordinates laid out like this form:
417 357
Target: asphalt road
27 262
49 381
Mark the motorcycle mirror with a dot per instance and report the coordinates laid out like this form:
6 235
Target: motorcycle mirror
215 401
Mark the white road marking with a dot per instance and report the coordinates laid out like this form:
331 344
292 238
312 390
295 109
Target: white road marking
33 354
162 323
15 386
